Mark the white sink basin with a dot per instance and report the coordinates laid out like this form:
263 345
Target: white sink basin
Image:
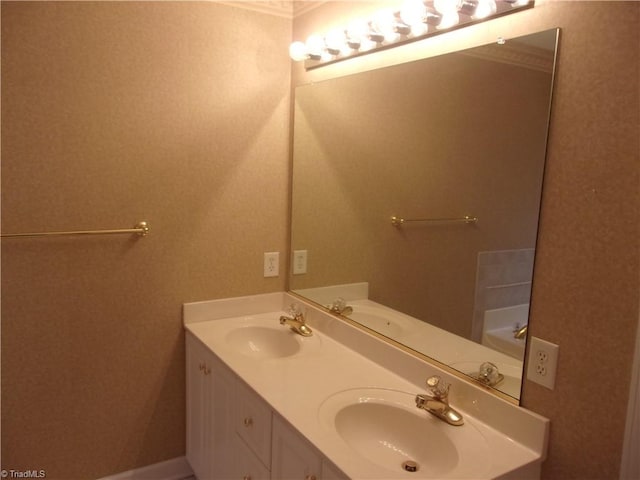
387 429
263 342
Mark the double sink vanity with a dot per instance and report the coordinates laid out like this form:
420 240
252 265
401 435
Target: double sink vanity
265 401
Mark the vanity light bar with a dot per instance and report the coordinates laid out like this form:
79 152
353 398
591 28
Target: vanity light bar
416 19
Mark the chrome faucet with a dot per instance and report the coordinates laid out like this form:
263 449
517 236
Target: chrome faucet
296 321
340 306
520 332
438 402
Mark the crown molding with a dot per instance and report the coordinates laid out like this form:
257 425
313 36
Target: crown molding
286 9
515 53
301 7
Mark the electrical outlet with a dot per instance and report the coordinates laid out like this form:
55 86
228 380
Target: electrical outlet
271 264
543 361
299 262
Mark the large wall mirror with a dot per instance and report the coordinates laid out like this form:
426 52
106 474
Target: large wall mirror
455 146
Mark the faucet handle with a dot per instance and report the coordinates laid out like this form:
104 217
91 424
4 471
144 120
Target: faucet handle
295 311
338 304
439 389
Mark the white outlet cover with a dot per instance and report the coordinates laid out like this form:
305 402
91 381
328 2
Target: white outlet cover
542 363
271 264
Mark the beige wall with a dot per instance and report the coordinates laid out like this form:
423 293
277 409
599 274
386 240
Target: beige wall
172 112
585 294
113 112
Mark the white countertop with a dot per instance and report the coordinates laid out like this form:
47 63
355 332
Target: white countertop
296 386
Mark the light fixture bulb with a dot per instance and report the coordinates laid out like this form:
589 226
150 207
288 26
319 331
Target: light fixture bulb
298 51
357 29
357 33
335 41
448 20
326 56
315 47
485 9
468 7
413 12
383 23
446 7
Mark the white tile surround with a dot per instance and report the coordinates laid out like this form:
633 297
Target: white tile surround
521 429
503 279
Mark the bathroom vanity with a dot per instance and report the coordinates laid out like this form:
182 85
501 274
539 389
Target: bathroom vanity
266 402
234 433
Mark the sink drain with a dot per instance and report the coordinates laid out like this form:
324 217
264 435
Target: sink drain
410 466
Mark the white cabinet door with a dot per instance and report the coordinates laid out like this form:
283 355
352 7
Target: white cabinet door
198 374
222 458
331 472
293 457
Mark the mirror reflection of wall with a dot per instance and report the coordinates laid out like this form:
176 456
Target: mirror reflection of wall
444 137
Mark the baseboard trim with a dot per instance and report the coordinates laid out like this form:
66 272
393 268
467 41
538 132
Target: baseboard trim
175 469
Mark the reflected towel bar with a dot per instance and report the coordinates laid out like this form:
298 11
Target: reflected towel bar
508 285
399 221
141 229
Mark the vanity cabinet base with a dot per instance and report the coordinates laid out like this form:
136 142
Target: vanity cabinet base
232 433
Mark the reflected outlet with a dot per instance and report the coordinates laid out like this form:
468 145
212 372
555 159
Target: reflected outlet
299 262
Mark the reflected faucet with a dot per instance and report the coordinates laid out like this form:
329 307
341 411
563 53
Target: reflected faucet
340 306
296 321
489 375
438 402
520 332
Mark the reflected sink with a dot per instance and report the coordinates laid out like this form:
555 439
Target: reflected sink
512 375
502 340
387 429
263 342
381 320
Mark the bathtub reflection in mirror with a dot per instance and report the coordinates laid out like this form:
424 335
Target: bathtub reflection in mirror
448 137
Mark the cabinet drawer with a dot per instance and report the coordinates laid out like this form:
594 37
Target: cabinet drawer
253 422
246 464
293 456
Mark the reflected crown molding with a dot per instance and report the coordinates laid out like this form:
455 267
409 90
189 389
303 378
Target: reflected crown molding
515 53
286 9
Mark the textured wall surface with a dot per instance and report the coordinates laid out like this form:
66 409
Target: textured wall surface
178 113
113 112
586 279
